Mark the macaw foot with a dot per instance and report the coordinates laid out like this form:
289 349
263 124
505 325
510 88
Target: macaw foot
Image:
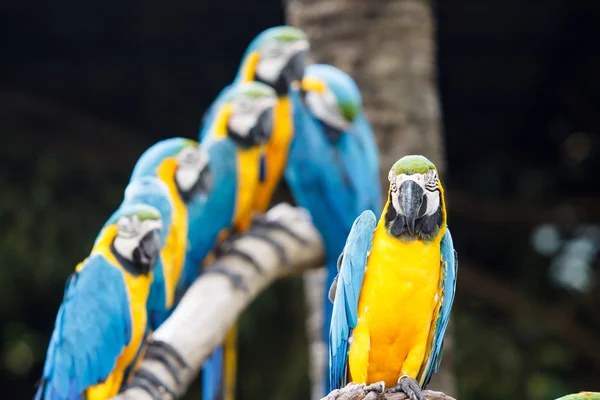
169 357
146 380
262 234
227 248
409 386
264 222
236 279
377 387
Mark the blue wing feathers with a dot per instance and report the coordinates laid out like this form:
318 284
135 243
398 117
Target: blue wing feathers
449 271
92 327
345 305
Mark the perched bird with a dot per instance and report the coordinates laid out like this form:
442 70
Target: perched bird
276 57
333 167
235 141
101 323
172 175
395 288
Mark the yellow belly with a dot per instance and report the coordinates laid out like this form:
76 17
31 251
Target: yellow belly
276 154
395 309
248 165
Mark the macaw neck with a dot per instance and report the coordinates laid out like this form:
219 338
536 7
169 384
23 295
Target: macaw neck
248 69
219 128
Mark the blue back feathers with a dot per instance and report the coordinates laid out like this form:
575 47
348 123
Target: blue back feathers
92 327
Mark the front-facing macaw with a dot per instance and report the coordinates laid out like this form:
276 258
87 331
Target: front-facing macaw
101 323
333 168
235 141
394 292
276 57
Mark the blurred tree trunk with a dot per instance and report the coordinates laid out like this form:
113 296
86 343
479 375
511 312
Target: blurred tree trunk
388 47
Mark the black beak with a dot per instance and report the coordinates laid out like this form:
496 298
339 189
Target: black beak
411 202
261 132
294 69
147 253
205 180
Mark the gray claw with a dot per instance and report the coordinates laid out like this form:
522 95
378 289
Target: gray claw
377 387
262 222
409 386
261 234
168 356
150 383
236 279
245 256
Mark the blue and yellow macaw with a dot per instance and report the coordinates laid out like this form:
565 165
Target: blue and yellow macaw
333 168
276 57
394 292
101 323
172 175
236 141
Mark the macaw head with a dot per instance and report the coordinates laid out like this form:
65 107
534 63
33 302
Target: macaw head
277 57
190 171
139 228
415 208
151 191
250 118
193 176
332 97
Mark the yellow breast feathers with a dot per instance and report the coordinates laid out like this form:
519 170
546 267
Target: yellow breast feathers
173 253
397 302
276 153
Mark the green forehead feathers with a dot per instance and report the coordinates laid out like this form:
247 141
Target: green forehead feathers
413 165
289 34
251 89
143 212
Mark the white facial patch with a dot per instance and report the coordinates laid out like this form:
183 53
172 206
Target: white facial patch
275 55
428 182
130 231
324 107
191 161
245 113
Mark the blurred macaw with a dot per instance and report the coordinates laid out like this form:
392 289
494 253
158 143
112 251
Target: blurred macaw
395 288
101 323
236 140
333 168
276 57
172 175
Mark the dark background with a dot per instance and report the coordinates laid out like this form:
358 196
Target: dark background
85 87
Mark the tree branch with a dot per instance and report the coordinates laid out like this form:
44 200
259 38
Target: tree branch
212 304
355 392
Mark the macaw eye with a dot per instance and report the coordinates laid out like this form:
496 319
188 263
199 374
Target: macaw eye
272 51
431 181
245 106
394 187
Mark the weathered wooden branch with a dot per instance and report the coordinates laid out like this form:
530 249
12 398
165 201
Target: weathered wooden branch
355 392
212 304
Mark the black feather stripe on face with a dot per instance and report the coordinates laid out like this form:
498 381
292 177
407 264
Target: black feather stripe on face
426 227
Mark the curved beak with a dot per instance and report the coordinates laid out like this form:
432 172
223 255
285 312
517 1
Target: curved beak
411 200
261 132
205 181
150 248
294 69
